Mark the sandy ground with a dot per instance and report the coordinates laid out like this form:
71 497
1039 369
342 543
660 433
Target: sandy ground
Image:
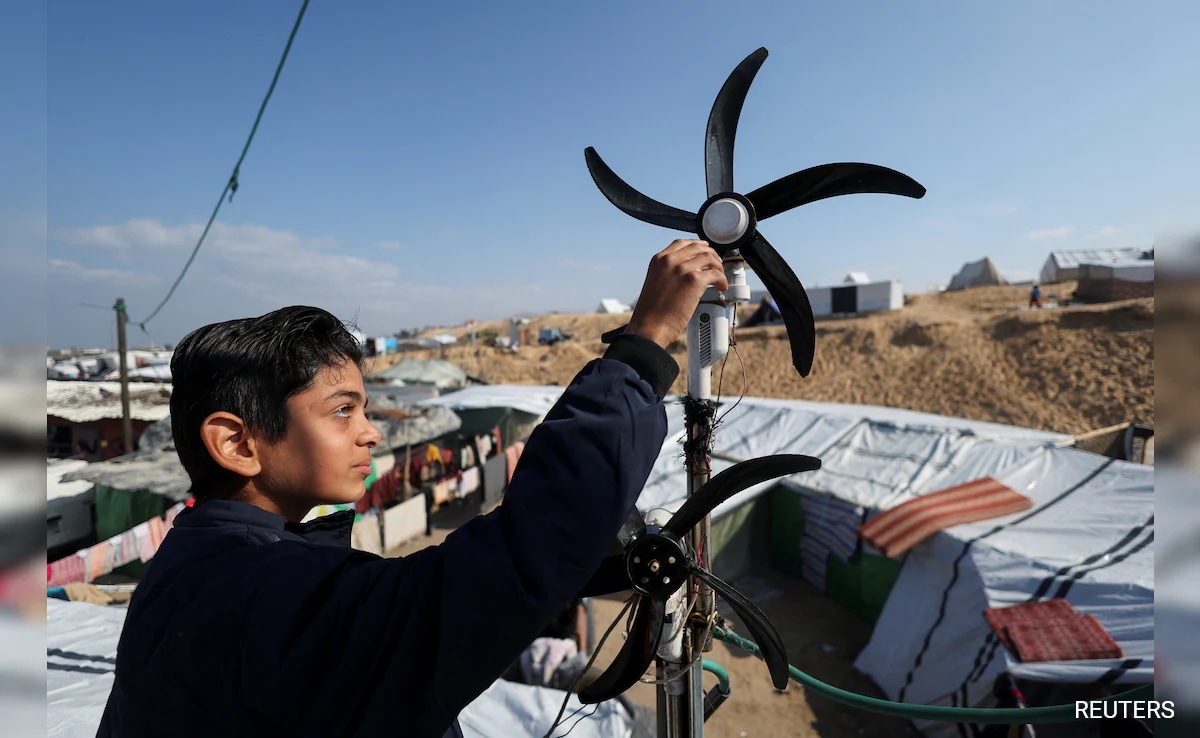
977 354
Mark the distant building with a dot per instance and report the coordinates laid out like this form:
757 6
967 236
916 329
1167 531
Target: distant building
84 419
977 274
612 305
1120 280
1062 266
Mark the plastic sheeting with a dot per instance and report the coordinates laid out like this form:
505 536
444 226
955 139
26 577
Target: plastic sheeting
535 400
1088 539
22 677
81 645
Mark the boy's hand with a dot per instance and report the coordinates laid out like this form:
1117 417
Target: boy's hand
676 280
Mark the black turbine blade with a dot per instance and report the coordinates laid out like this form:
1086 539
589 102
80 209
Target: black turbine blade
783 285
632 202
635 655
830 180
723 121
728 483
773 650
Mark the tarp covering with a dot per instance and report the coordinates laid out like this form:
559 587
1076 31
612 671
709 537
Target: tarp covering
81 645
1088 539
1092 519
535 400
1064 265
23 677
976 274
437 372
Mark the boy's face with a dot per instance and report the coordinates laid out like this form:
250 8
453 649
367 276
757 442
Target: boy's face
325 453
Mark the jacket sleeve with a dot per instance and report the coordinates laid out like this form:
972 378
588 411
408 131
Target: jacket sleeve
420 637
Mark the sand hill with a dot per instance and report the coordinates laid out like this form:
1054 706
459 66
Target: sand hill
977 353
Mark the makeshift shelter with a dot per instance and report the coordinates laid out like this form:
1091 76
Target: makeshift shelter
767 313
81 645
1061 266
1086 537
1118 280
436 372
856 298
980 273
503 412
611 305
856 278
84 418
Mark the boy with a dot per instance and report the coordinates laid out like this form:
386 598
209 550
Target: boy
248 623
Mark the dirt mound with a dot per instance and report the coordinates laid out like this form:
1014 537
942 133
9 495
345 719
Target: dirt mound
976 353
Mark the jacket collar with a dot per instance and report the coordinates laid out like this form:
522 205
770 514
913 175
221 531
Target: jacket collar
327 530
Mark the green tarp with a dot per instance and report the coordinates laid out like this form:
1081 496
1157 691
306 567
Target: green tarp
119 510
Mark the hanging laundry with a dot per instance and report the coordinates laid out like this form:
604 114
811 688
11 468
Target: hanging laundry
68 569
470 481
512 455
145 547
97 558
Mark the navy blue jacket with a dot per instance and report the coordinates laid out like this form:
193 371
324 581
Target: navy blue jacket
247 626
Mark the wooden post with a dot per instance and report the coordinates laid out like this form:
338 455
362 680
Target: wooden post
126 420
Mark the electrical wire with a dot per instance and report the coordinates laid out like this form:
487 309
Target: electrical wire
595 652
231 185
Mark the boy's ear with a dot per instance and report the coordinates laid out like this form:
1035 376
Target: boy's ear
230 444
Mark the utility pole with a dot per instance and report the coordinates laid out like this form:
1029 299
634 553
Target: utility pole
126 421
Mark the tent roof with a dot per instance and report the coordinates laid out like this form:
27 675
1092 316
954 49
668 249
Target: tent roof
87 402
1068 259
1088 539
437 372
982 272
612 305
535 400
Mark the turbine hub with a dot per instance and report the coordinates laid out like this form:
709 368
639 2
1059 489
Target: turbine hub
725 221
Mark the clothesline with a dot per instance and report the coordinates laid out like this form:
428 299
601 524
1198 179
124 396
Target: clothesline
139 543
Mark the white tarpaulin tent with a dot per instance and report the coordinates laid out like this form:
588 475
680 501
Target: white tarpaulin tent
1064 265
1088 537
81 646
976 274
22 677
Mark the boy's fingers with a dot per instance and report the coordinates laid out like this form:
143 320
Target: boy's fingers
682 243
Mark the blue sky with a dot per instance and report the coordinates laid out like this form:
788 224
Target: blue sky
422 163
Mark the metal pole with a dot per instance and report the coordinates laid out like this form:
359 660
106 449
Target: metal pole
126 421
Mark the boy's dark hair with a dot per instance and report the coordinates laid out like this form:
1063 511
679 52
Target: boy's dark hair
249 367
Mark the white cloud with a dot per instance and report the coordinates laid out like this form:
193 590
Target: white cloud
138 233
76 272
1041 234
1107 231
249 269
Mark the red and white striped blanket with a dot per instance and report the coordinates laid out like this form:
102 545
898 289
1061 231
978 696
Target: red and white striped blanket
906 525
